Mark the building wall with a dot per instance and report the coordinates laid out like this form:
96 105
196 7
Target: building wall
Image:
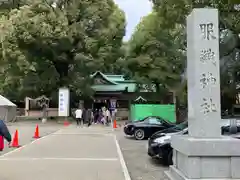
122 114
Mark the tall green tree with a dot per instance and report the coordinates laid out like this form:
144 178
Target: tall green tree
155 54
158 46
176 12
47 45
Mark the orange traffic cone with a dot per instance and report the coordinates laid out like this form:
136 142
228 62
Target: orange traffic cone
36 134
66 123
114 124
15 140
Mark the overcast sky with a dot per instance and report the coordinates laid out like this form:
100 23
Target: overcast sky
134 10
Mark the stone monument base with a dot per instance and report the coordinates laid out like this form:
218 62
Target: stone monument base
205 158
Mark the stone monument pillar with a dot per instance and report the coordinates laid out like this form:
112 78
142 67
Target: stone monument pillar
204 153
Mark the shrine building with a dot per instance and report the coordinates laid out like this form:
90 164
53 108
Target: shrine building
114 91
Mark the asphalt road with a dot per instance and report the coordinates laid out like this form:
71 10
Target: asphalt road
73 153
139 164
70 153
26 132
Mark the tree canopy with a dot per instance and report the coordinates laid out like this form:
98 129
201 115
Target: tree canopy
157 47
156 52
47 45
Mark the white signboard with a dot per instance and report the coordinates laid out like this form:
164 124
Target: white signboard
63 102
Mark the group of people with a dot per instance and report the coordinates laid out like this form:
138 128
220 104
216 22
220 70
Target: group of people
98 116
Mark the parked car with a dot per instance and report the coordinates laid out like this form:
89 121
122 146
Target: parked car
227 129
161 138
176 128
146 127
159 145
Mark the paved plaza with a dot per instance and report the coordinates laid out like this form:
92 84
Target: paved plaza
80 152
70 153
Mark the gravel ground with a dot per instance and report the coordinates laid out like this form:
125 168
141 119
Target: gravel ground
139 164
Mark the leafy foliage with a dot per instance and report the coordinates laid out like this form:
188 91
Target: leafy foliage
47 45
155 54
158 46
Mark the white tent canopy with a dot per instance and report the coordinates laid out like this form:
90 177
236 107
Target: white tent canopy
5 102
8 109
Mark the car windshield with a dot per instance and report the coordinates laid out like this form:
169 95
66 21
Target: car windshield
179 127
139 120
154 120
150 118
143 119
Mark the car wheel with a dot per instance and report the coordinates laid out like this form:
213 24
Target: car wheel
170 156
139 134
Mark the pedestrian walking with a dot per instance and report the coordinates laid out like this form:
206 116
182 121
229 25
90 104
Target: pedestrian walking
100 117
106 114
89 117
95 116
84 115
78 115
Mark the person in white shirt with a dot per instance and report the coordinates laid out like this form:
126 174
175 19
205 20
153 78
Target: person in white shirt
107 115
78 115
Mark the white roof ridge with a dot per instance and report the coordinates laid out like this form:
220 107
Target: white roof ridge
6 102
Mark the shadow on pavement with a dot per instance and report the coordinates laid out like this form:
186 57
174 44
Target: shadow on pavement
129 137
157 162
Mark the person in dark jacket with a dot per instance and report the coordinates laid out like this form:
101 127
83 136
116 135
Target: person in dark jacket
4 132
89 117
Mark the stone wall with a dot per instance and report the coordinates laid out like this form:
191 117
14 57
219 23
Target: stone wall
122 113
51 112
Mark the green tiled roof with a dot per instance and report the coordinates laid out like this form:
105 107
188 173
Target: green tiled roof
131 87
116 83
103 76
116 78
